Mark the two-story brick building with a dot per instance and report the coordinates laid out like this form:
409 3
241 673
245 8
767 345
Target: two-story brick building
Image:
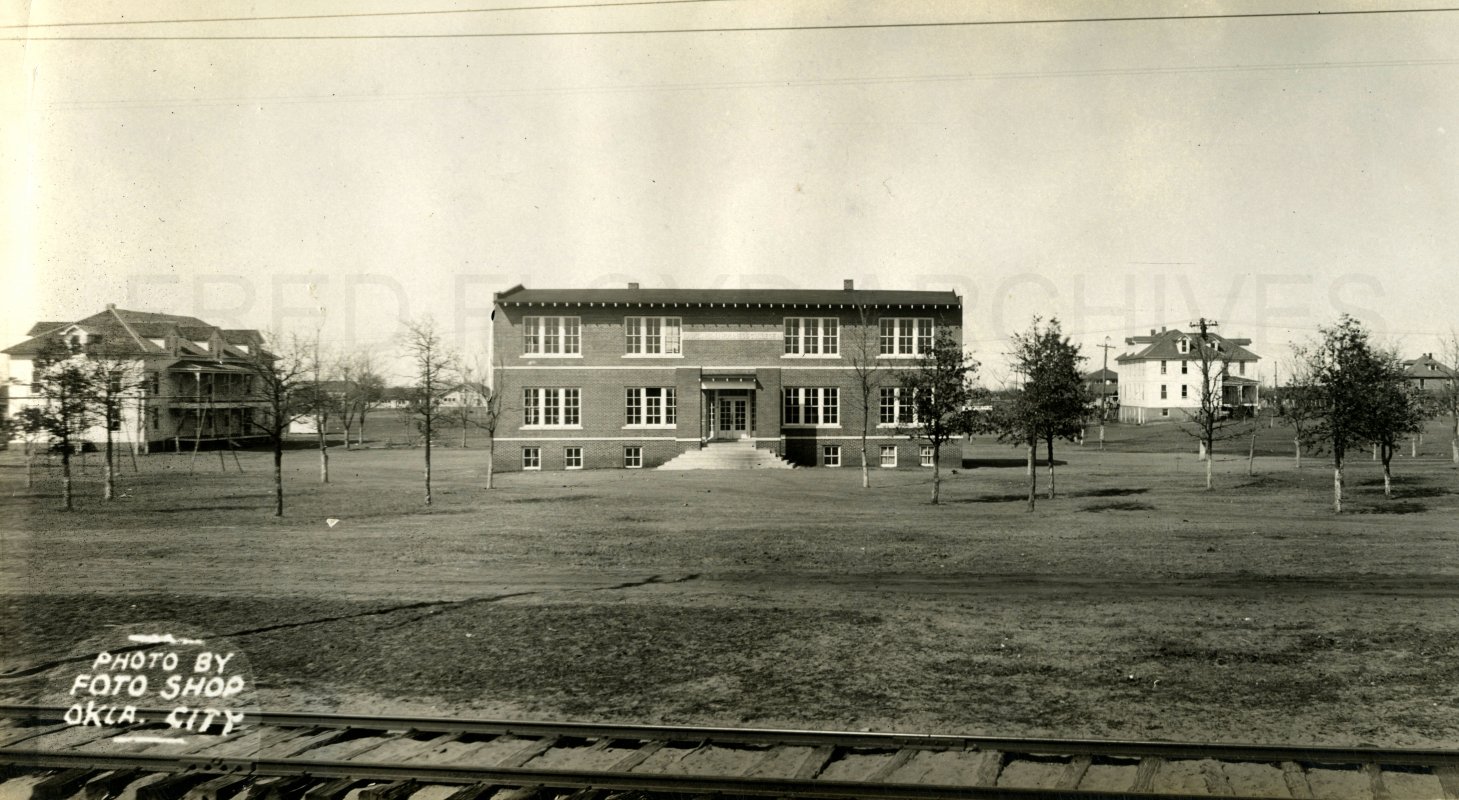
632 378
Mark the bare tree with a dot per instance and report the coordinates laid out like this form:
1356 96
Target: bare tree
1297 404
64 381
116 379
320 403
475 390
363 389
278 382
1210 422
941 390
433 364
1447 398
863 351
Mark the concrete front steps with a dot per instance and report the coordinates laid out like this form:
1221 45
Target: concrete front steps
727 455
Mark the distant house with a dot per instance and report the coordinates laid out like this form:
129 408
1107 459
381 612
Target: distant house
1103 384
1160 378
1429 375
195 382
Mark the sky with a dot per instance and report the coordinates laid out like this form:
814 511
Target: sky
1271 173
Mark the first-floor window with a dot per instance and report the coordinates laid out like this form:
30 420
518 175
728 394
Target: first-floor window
927 456
572 457
888 455
812 406
632 457
531 458
551 406
1162 391
651 406
1184 391
831 455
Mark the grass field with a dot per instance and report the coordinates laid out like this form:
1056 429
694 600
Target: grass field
1134 605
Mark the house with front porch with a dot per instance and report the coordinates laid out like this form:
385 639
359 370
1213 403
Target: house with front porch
1159 378
187 382
637 378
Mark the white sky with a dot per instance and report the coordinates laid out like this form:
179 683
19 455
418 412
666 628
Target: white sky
1270 173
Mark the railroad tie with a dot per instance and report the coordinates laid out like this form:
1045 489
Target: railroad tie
522 793
1146 772
286 788
896 762
1449 781
217 788
62 784
1074 772
815 762
1375 781
390 791
480 791
638 756
989 768
333 790
1216 781
111 784
172 787
1297 783
528 753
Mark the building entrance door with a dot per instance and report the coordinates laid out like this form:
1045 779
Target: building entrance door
733 418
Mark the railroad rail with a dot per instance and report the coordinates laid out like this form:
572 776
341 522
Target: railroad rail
336 757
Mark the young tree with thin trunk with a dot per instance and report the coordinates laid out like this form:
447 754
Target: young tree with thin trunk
1050 403
433 364
63 380
321 404
1210 422
476 391
863 350
1447 399
1342 369
1399 409
1297 404
279 381
363 390
940 385
116 380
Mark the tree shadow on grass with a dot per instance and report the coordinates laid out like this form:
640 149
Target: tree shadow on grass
991 498
1003 463
1115 492
1119 505
1391 507
560 498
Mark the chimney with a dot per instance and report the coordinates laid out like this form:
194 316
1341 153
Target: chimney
1152 331
633 286
1162 329
848 285
111 306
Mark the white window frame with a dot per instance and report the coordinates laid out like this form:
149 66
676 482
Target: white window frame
1164 392
633 457
904 406
645 410
531 459
926 456
905 337
812 337
802 403
1185 367
1183 345
566 337
831 455
1163 366
1185 391
653 337
552 407
888 449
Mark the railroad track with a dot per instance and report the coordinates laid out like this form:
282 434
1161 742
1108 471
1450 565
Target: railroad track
329 756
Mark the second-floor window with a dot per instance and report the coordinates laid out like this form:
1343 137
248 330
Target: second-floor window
651 406
653 336
547 407
552 336
812 406
812 336
905 336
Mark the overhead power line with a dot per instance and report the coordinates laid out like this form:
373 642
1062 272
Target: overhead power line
748 28
356 15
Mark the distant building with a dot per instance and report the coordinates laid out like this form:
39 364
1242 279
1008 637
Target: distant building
1429 375
1103 384
634 378
195 382
1160 378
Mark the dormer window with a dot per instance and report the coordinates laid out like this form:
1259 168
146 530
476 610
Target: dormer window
1183 345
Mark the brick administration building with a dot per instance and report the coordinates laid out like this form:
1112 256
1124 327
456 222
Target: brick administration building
633 378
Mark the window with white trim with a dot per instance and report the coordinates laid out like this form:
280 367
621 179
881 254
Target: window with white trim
896 406
1184 391
531 458
1162 392
905 336
653 336
572 458
1241 368
652 405
888 455
812 406
1162 367
551 407
831 455
926 456
812 336
633 457
552 336
1183 345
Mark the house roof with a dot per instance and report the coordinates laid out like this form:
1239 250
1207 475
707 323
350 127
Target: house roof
779 298
1165 345
1103 375
128 333
1425 366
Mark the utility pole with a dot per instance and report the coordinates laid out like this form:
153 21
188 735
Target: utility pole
1103 390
